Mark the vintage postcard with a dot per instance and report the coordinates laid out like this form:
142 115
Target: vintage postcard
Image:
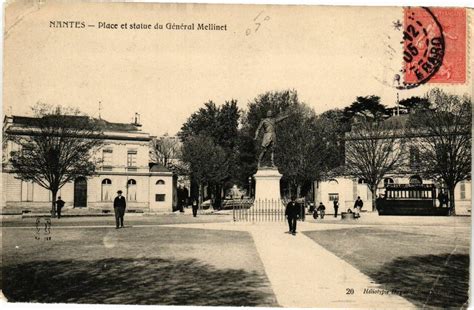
236 155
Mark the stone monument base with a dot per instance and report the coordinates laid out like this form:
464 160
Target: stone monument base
267 184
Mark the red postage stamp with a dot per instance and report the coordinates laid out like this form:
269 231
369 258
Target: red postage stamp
434 41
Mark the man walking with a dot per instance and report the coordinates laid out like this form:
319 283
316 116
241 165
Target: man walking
358 206
59 206
119 209
322 210
336 206
195 206
292 212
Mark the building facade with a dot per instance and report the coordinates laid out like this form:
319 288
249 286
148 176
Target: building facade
125 165
346 188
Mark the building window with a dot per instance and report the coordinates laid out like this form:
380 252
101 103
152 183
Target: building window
132 190
132 159
463 190
354 189
387 181
106 190
107 159
160 197
27 195
160 182
333 196
415 180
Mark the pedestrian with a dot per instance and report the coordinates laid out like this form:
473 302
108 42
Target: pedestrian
358 206
322 210
336 206
445 199
59 206
315 213
441 198
180 194
119 209
195 207
292 212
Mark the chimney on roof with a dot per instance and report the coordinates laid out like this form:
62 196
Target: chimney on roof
136 120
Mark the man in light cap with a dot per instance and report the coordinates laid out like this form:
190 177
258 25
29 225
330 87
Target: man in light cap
119 209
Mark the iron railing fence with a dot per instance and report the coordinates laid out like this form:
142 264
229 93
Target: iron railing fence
265 210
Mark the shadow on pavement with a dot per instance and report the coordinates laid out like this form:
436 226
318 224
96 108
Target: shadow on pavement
430 280
135 281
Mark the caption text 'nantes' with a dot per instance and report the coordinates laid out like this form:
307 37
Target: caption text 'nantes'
138 26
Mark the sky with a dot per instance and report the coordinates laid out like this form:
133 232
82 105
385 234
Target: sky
329 55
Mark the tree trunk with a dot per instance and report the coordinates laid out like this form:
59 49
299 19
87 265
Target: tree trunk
200 190
218 195
452 200
298 190
373 191
53 202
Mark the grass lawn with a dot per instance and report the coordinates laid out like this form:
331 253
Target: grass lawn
135 265
430 265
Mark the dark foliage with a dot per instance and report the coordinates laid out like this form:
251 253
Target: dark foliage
146 281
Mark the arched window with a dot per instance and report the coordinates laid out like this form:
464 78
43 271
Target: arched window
415 180
160 191
387 181
132 190
106 190
333 181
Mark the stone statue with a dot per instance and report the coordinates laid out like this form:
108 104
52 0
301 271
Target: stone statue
269 135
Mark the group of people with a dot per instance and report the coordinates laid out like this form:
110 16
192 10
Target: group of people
293 211
120 205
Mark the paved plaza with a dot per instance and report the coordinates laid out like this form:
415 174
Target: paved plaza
211 260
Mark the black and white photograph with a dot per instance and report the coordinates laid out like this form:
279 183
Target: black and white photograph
236 155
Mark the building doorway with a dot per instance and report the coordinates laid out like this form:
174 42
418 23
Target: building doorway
80 193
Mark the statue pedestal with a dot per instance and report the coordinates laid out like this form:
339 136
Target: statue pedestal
267 184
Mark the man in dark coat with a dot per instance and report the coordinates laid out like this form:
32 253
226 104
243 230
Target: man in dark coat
336 206
119 209
59 206
292 212
195 207
358 206
322 209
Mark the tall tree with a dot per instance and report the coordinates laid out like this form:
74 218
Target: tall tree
208 162
220 125
415 103
165 150
373 150
334 126
443 136
306 151
218 122
368 107
59 148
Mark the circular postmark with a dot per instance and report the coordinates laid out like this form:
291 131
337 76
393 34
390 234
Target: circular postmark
423 47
